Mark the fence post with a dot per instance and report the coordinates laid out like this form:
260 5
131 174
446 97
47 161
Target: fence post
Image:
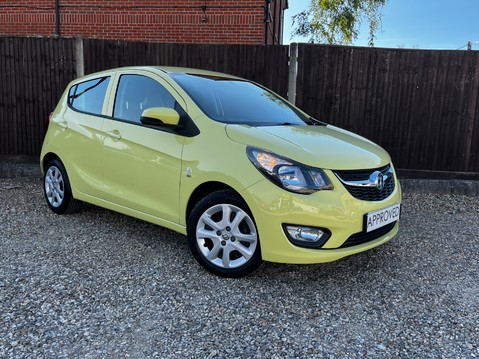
80 57
293 72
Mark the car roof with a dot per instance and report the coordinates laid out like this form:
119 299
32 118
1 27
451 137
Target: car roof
193 71
167 70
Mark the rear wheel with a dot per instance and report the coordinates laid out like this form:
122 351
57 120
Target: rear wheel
57 189
222 235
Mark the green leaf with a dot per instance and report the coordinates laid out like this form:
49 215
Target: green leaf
338 21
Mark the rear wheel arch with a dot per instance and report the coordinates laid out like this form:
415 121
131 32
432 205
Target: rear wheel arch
48 158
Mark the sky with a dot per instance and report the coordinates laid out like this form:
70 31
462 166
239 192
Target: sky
422 24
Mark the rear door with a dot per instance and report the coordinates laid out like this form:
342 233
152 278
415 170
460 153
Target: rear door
141 164
81 142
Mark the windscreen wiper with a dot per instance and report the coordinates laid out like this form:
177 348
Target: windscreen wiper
314 122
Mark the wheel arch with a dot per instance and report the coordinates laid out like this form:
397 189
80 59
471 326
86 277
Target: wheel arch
47 158
202 191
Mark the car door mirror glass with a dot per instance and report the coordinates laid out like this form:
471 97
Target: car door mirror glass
160 116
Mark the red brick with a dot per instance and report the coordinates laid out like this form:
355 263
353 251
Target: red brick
229 21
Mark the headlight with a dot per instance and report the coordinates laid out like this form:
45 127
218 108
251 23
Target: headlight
288 174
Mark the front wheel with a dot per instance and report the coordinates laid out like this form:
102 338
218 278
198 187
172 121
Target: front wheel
222 235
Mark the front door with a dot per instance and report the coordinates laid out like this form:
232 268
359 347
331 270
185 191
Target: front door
141 164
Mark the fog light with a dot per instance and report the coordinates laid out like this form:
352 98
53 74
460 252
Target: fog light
310 237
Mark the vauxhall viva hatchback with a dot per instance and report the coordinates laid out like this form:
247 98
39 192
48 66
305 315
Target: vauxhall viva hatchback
247 176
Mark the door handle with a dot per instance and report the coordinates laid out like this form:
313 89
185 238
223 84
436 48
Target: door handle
63 124
114 134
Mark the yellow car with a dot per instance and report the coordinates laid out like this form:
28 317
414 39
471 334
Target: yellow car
247 176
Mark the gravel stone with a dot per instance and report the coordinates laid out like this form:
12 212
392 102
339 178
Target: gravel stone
98 284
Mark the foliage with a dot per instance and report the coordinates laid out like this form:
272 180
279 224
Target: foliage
338 21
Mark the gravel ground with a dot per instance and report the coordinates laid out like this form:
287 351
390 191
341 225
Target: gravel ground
102 285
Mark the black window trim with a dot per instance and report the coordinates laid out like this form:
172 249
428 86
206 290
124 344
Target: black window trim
69 98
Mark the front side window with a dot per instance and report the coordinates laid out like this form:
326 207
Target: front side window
89 96
136 93
238 102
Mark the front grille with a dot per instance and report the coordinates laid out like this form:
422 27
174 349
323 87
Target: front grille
364 237
365 193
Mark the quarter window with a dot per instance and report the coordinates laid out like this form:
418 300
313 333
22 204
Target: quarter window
136 93
89 96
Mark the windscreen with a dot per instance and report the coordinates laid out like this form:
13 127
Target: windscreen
237 101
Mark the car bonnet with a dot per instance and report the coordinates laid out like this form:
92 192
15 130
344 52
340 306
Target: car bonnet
325 147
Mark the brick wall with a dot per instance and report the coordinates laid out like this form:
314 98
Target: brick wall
227 21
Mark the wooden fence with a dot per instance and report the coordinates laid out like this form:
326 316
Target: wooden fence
267 65
33 74
420 105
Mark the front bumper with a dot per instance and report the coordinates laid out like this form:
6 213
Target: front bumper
336 210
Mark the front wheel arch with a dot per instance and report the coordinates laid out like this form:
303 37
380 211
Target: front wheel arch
204 190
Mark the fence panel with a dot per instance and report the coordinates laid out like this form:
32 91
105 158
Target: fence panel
267 65
420 105
34 73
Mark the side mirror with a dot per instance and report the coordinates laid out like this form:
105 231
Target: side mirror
160 116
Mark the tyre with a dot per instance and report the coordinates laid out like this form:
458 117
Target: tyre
56 187
222 235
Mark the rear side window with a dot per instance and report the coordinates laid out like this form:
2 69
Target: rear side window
89 96
136 93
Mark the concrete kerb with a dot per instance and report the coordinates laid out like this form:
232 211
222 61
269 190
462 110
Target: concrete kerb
468 188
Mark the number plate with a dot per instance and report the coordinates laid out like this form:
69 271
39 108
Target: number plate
382 217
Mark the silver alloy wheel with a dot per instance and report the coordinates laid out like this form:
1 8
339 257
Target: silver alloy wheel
54 186
226 236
